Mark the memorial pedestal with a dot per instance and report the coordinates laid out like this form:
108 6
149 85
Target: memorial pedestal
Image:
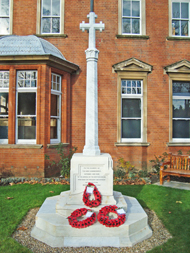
52 226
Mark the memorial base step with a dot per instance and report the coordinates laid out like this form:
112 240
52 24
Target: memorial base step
53 228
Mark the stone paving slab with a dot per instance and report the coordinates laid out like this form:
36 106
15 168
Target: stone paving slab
175 184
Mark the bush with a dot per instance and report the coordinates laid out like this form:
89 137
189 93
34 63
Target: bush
123 168
158 161
65 159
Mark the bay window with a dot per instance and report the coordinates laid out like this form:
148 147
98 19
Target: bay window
26 107
4 96
55 121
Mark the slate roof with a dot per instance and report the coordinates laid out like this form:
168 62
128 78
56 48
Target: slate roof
14 45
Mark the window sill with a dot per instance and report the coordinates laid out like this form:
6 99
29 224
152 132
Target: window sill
52 35
55 145
176 144
121 36
129 144
177 38
37 146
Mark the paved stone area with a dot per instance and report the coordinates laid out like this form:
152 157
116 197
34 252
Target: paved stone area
175 184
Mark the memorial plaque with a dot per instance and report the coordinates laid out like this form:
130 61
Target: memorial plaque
97 170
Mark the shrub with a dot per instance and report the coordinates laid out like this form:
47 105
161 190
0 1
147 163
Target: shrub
65 159
158 161
122 169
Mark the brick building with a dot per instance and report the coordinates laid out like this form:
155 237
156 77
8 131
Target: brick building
143 80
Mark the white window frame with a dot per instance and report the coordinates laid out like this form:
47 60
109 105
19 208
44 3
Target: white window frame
133 96
25 90
4 90
179 97
57 93
171 18
132 17
142 18
39 18
10 16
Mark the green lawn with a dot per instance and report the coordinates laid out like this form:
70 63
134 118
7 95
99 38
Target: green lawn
175 216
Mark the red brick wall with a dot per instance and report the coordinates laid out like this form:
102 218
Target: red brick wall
156 51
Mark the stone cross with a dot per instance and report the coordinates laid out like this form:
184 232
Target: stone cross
91 147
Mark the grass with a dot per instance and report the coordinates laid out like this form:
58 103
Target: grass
175 216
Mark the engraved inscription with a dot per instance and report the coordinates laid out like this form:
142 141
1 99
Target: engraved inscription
91 174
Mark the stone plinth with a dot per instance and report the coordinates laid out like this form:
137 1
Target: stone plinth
54 229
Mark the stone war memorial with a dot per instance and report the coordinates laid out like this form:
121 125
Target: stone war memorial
109 218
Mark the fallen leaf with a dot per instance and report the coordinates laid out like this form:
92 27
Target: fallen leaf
22 228
51 191
179 202
9 197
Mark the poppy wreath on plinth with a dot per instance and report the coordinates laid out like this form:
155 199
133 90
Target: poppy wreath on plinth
104 219
97 196
83 223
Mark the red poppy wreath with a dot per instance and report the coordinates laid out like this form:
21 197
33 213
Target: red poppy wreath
103 217
97 195
83 223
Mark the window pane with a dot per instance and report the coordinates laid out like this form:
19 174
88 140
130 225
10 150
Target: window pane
136 9
123 90
184 10
46 24
55 25
136 26
176 10
181 108
56 8
4 103
128 83
126 8
131 108
21 75
175 27
4 25
53 129
54 105
131 128
181 89
126 25
27 103
4 79
27 128
181 129
4 8
46 7
184 28
4 128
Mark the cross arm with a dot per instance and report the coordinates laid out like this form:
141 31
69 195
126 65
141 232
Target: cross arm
84 26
